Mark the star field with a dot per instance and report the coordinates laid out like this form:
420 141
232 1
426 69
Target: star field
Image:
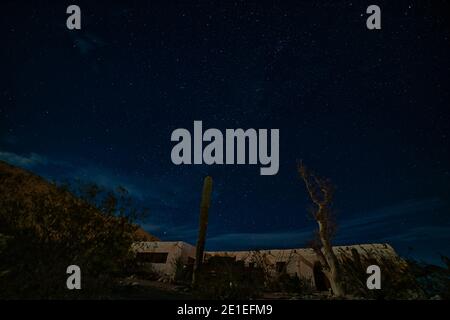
368 109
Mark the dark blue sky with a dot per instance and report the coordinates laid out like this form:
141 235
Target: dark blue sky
368 109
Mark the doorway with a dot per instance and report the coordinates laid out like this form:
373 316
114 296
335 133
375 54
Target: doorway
320 279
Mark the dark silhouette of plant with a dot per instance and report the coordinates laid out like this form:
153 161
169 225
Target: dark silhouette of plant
203 224
225 278
321 193
44 228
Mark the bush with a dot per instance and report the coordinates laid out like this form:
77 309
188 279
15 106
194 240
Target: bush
48 229
224 278
290 284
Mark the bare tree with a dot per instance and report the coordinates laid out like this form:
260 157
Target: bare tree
321 192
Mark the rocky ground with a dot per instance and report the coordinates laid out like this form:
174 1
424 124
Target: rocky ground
134 288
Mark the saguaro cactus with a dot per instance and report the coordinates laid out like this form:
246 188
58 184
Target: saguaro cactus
203 224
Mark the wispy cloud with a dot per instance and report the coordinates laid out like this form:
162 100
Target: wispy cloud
26 161
83 171
9 139
388 220
240 241
376 226
106 178
160 195
425 233
186 232
87 42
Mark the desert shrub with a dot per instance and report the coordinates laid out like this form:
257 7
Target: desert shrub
183 271
397 280
47 230
141 270
433 280
224 278
290 284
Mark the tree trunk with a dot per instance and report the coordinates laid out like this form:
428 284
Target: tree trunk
321 192
333 273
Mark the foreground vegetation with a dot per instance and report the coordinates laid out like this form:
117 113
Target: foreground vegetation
44 228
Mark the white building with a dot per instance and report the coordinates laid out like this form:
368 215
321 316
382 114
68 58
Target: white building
301 262
163 255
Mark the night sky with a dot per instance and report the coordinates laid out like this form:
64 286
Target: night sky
367 109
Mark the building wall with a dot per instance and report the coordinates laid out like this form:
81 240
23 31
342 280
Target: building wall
299 262
295 262
175 249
